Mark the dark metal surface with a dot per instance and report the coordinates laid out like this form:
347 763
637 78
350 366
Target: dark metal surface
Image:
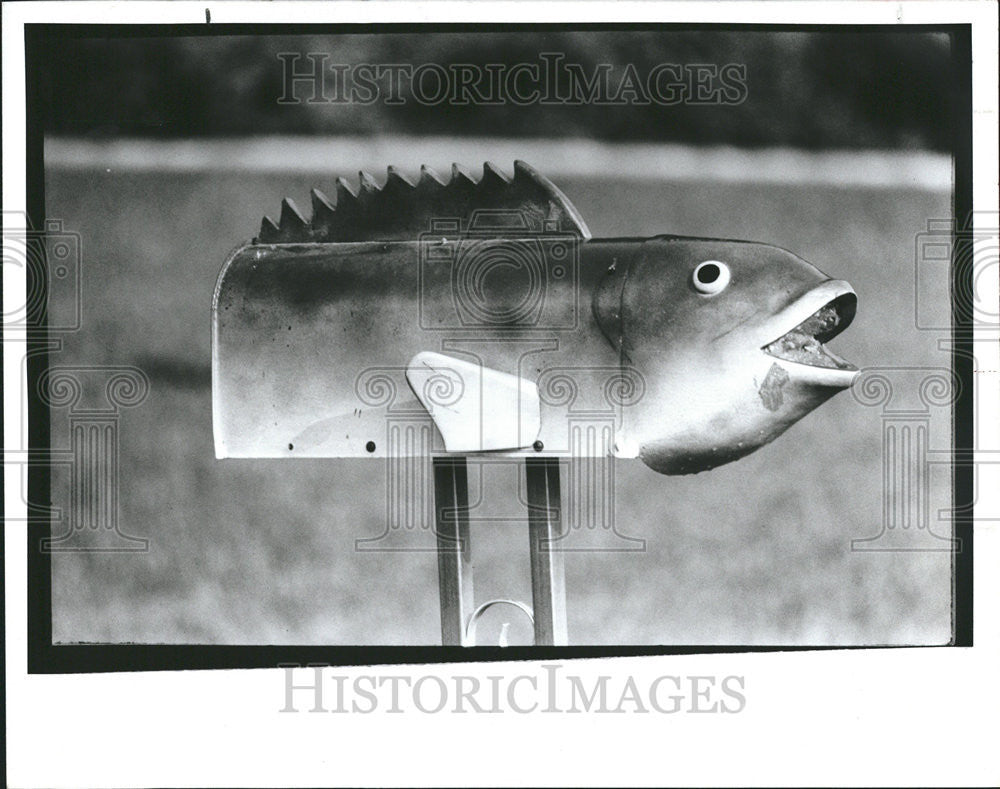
454 548
548 582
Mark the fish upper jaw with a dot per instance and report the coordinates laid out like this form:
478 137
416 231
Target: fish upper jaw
794 337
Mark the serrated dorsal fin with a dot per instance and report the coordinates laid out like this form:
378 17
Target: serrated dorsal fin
493 178
428 175
402 210
323 210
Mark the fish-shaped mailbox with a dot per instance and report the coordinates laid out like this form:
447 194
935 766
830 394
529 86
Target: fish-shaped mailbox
472 316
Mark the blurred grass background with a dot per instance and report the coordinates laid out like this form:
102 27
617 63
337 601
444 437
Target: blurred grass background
756 552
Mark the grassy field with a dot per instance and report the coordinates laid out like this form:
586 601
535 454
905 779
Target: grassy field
756 552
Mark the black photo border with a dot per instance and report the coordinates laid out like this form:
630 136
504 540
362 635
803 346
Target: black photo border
44 657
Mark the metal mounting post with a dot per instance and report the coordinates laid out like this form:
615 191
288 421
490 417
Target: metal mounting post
548 581
454 550
454 547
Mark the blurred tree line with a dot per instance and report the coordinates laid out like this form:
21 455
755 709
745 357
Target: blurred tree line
833 88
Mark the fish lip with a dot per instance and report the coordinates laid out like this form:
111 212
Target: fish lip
834 377
836 293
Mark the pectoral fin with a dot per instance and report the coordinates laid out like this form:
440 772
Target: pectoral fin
476 408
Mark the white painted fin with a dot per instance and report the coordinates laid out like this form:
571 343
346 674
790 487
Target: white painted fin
476 408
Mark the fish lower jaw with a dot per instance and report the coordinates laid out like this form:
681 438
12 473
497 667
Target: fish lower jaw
806 351
818 375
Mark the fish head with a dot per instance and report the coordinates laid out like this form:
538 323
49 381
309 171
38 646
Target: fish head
728 338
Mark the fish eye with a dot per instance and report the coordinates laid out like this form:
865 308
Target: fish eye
710 277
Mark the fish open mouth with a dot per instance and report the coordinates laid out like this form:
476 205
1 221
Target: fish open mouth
804 344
